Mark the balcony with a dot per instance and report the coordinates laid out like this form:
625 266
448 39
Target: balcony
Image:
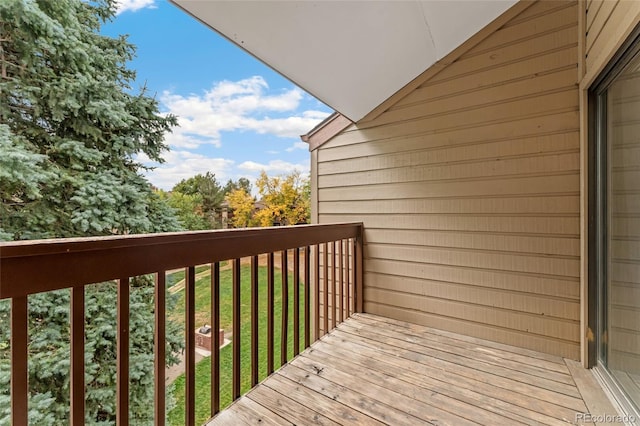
375 370
356 368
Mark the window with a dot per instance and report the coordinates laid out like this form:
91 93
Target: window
615 224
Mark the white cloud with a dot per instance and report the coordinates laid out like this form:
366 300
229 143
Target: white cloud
133 5
230 106
241 105
297 145
274 167
183 165
248 95
185 140
320 115
290 127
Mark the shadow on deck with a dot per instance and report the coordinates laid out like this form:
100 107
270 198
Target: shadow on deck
374 370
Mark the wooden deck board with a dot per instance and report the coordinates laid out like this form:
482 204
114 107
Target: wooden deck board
286 407
469 358
534 388
393 365
246 411
431 403
328 400
427 386
373 370
373 407
505 350
475 354
497 350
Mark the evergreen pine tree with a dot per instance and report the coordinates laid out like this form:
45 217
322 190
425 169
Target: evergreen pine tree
71 126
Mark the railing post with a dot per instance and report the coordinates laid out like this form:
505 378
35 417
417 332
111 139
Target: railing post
341 283
359 273
254 320
325 298
350 276
122 343
334 286
307 296
284 338
316 293
215 348
296 301
77 357
190 343
236 328
19 361
160 347
270 313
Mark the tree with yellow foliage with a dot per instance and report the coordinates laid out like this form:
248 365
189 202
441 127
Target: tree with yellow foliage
242 204
286 199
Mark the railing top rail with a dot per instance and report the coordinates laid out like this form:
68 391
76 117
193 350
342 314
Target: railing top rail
35 266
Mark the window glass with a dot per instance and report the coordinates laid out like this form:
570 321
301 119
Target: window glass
620 339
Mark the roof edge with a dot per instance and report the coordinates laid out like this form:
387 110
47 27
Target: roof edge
326 130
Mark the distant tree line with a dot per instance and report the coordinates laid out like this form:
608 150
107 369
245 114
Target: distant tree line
199 201
284 200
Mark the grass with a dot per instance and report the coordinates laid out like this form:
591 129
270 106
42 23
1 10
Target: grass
177 276
203 368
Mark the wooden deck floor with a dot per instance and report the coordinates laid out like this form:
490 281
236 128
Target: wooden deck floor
373 370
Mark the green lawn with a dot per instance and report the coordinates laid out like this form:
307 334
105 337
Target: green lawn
203 368
177 276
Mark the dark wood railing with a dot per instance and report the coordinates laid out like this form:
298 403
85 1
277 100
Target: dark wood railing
332 252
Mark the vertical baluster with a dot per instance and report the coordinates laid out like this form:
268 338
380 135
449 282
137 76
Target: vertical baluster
236 328
334 287
358 273
325 309
254 320
349 275
270 313
307 298
296 301
285 306
122 369
352 279
215 346
190 338
19 361
316 298
340 282
160 346
77 356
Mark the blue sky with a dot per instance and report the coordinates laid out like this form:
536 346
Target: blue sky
237 116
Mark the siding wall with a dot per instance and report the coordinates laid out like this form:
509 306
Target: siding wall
468 188
608 24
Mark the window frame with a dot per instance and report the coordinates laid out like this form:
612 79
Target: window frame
597 216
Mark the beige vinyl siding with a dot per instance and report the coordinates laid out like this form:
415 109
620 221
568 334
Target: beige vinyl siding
608 23
468 188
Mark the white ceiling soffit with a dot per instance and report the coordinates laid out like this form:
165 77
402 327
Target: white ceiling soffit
352 55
